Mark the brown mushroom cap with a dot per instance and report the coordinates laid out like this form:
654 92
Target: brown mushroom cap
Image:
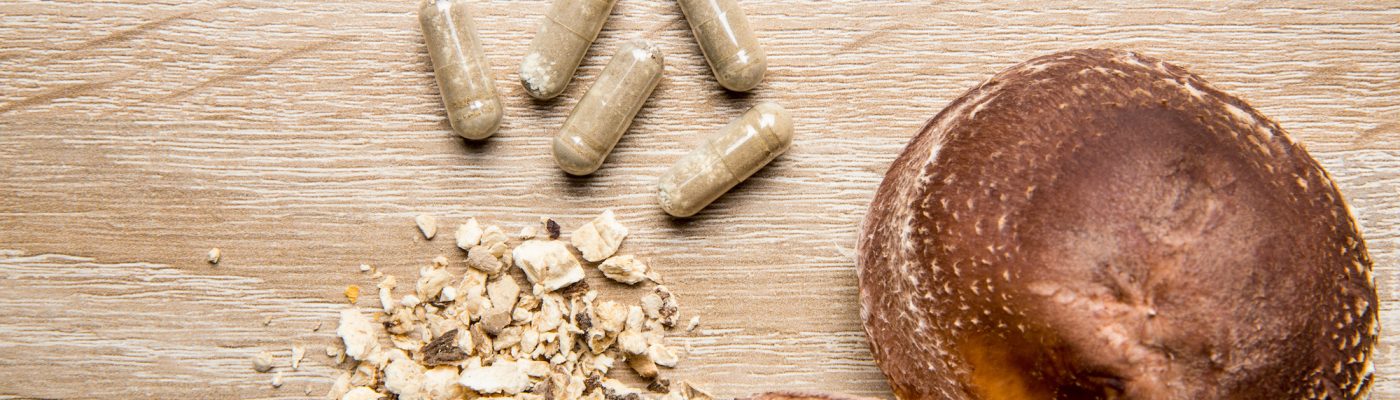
1099 224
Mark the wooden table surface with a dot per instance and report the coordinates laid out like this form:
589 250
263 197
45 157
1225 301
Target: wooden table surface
301 137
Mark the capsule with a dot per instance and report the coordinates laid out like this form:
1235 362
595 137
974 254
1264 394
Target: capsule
727 41
564 36
726 158
606 110
463 76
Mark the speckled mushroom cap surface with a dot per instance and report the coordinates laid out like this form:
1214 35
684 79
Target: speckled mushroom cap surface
1100 224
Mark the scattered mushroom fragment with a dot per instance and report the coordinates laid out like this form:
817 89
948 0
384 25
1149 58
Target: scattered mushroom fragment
262 362
468 234
663 356
440 383
493 235
362 393
599 239
624 268
352 293
552 228
480 257
298 352
386 293
358 334
504 377
661 305
426 224
548 263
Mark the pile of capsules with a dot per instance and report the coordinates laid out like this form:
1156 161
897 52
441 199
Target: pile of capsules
606 110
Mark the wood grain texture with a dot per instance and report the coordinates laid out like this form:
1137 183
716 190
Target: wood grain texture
301 137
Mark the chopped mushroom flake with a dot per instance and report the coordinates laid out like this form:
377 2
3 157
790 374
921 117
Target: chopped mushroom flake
441 383
661 305
426 224
504 377
468 234
548 263
362 393
662 355
386 293
624 268
298 352
358 334
492 236
552 228
403 376
262 362
352 293
599 239
480 258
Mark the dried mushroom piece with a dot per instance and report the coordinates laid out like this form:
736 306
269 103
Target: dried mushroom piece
662 305
503 293
624 268
402 321
358 334
427 224
262 362
599 239
471 294
298 352
440 383
662 355
552 228
528 232
352 293
548 263
431 281
443 350
480 258
693 393
632 340
468 234
403 376
507 338
492 236
503 377
609 320
362 393
484 348
660 385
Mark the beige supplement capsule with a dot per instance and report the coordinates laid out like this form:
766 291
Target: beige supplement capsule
564 36
463 76
727 41
600 118
726 158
